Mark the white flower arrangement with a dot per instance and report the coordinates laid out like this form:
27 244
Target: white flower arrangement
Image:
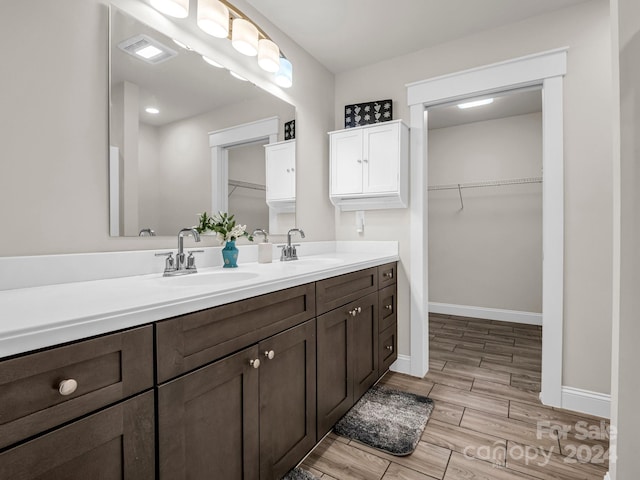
224 226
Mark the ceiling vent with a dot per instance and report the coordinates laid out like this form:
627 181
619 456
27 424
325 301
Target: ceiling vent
146 48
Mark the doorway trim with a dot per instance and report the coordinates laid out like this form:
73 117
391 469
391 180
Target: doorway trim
221 140
545 69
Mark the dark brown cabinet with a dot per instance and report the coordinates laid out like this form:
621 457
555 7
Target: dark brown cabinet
248 416
242 391
113 444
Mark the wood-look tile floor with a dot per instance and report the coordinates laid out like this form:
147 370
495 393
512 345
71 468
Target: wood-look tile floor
487 424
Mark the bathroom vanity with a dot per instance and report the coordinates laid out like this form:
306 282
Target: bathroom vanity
241 389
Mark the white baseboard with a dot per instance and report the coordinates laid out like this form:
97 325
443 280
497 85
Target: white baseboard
514 316
607 476
402 364
584 401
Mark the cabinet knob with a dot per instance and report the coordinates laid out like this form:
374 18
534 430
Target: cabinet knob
388 275
365 161
255 363
270 354
389 307
359 310
359 161
389 347
67 387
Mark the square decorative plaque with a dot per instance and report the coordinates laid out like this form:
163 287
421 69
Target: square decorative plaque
367 113
290 130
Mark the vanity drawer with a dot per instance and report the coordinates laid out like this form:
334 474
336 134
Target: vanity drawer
191 341
387 304
106 370
334 292
387 274
387 348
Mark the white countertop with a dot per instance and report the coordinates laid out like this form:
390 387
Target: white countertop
43 316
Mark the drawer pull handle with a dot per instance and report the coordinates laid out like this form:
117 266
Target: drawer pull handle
389 307
388 275
389 347
270 354
67 387
255 363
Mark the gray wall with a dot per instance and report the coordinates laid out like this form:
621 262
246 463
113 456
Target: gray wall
585 29
488 254
625 421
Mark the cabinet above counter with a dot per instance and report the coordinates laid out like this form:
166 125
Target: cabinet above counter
370 166
43 316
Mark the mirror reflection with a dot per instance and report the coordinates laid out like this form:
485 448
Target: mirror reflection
163 110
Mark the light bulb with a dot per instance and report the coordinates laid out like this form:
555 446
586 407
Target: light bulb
244 37
284 76
268 55
213 18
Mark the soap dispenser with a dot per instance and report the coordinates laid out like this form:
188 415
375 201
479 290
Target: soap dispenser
265 249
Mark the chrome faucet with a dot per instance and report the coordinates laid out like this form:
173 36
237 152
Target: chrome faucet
184 264
289 251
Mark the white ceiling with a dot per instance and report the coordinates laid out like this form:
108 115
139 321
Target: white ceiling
346 34
506 104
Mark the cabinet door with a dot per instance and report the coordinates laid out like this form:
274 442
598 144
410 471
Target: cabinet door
335 375
381 158
281 172
365 344
287 399
208 421
114 444
346 162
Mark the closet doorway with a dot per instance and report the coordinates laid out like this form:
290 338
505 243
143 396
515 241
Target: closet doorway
485 207
546 70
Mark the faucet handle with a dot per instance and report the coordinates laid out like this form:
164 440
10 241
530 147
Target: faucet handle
168 264
191 260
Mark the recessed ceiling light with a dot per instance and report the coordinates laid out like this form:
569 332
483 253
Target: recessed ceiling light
476 103
148 52
152 110
213 63
234 74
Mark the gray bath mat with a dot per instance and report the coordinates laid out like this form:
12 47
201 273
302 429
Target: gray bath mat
298 474
386 419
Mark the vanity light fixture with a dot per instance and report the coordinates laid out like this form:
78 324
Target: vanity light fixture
244 37
284 75
213 18
152 110
475 103
268 55
211 62
173 8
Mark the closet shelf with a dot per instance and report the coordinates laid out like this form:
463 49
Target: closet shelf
240 184
489 183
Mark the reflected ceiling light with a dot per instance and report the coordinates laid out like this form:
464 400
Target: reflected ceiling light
182 45
213 18
152 110
244 37
211 62
268 55
148 51
173 8
239 77
476 103
284 76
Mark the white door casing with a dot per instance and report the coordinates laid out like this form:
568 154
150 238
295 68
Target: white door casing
545 69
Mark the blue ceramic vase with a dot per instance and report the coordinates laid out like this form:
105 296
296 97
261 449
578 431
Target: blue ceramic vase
230 255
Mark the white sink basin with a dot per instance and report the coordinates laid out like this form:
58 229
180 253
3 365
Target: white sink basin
217 278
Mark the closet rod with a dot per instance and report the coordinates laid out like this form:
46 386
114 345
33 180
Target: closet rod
241 184
490 183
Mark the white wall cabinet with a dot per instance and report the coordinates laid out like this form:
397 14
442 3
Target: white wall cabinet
280 161
370 166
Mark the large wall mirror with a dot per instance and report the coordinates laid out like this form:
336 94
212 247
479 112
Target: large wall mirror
164 111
